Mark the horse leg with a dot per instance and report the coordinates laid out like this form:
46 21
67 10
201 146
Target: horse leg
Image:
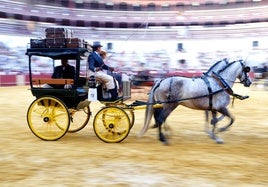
157 112
212 133
220 118
225 112
162 137
207 118
212 122
161 118
216 120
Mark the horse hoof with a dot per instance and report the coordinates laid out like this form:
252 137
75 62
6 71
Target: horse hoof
165 143
163 139
219 141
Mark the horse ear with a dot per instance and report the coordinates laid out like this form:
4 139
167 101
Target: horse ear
247 69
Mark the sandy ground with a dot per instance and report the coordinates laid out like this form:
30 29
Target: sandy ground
191 159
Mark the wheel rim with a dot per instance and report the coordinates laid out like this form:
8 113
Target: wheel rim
131 116
48 118
111 124
79 119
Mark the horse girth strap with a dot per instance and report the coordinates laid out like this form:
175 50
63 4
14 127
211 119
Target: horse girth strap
204 77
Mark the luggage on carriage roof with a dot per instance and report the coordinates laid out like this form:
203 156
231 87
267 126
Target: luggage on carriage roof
37 43
74 43
56 43
58 33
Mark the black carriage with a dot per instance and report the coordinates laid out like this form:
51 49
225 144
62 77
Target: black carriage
56 111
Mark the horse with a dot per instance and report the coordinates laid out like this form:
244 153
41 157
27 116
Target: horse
214 68
208 92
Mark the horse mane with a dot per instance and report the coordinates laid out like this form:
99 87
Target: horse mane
228 65
212 67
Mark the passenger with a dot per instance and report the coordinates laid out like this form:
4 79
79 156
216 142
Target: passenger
96 67
117 76
103 54
64 71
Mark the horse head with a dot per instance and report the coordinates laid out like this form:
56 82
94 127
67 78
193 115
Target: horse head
234 70
244 75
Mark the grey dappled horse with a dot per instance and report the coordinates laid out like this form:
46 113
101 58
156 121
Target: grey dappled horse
211 92
214 68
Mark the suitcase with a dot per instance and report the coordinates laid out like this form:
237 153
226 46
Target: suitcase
74 43
58 33
56 43
37 43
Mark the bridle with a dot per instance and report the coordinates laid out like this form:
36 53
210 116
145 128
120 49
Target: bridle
245 70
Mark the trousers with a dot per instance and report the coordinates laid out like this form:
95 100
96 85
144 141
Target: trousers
108 80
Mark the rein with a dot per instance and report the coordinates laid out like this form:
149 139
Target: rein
227 88
174 101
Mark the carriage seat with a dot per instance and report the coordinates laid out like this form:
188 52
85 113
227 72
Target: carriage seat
40 82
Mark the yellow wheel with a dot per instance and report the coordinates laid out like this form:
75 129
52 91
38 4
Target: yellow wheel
79 119
48 118
131 116
111 124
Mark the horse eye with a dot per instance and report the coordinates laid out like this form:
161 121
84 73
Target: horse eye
247 69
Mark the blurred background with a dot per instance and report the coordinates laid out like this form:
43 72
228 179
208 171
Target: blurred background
145 39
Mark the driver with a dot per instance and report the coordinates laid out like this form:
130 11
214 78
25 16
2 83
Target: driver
96 67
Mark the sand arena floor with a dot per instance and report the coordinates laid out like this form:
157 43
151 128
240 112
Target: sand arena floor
191 159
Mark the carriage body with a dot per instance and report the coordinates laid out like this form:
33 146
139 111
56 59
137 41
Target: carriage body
70 96
56 111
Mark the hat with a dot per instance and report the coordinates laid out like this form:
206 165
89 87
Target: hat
97 44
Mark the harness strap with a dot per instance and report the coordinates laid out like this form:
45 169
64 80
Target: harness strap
226 87
204 78
169 93
222 83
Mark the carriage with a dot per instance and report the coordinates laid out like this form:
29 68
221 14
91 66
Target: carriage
57 111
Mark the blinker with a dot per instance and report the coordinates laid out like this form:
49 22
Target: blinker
247 69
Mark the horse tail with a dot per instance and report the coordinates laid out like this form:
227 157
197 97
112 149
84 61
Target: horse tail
149 110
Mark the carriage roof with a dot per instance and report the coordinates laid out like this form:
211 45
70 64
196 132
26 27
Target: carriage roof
57 53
